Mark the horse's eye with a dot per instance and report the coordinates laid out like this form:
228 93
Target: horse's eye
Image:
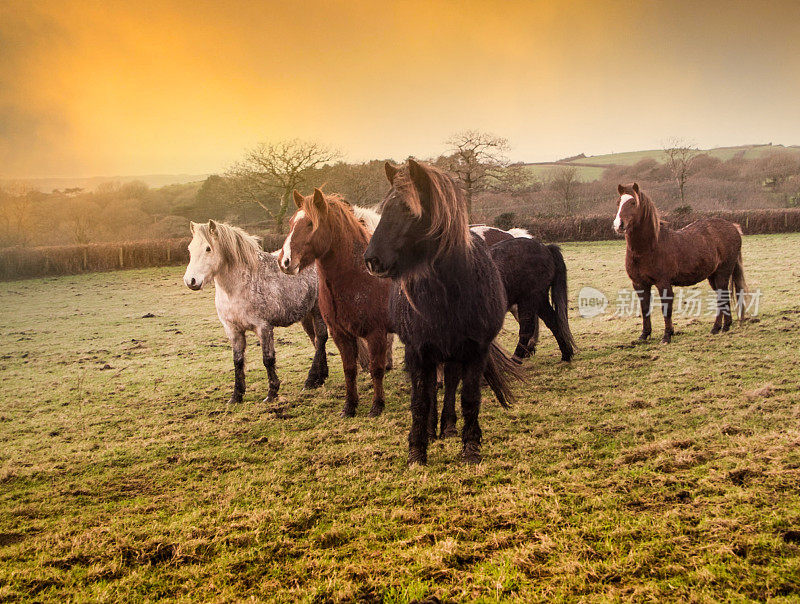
208 248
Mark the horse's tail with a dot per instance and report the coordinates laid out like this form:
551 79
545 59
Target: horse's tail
499 372
738 286
558 294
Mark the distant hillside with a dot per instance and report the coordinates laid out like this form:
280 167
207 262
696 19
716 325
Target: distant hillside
591 168
154 181
724 153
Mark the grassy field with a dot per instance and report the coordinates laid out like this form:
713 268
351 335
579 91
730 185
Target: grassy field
635 473
545 172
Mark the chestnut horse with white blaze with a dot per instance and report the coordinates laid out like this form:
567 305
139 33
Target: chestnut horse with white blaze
709 248
355 304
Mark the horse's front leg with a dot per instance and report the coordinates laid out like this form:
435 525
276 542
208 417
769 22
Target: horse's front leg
423 385
376 342
643 291
348 349
452 375
238 343
527 318
470 408
667 299
265 334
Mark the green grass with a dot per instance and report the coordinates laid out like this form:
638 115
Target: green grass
545 172
635 473
724 153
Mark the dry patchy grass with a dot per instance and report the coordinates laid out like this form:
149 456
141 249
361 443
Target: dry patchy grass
636 473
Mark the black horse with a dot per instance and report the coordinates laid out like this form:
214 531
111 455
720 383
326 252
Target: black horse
530 271
447 302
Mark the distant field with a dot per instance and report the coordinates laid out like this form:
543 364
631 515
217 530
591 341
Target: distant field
585 173
723 153
637 473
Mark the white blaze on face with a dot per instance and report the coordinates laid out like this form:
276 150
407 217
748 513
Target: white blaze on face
201 263
622 201
287 245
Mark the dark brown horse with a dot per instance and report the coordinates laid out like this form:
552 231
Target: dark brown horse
354 303
534 274
709 248
492 236
447 303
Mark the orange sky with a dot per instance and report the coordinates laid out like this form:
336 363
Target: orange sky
104 88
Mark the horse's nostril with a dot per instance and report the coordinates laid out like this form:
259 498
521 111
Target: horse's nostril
193 281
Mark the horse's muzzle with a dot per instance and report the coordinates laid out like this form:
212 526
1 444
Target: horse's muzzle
194 285
375 267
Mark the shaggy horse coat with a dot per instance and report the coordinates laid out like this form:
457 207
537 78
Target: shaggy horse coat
530 270
251 294
709 248
354 304
447 303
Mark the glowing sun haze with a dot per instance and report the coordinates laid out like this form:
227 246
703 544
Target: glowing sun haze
103 88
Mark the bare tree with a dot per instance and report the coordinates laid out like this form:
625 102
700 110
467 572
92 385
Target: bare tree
277 168
475 156
564 181
17 213
680 156
776 167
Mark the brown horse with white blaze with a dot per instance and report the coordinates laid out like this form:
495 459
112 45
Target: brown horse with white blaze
354 303
709 248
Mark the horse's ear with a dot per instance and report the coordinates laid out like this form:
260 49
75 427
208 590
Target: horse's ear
391 172
419 175
212 227
620 189
298 199
636 187
191 226
319 201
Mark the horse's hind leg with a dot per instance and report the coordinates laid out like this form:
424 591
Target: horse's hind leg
667 298
265 334
238 343
452 375
377 369
318 333
719 281
551 320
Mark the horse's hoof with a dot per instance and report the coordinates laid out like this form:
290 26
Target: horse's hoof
235 399
726 328
376 410
348 412
566 358
666 339
449 431
471 453
417 456
314 383
715 330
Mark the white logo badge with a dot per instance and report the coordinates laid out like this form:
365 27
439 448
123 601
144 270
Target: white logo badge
591 302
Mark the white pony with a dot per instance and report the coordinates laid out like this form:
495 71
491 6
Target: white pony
252 294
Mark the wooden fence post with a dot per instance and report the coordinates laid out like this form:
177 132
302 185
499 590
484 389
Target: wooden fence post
121 257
